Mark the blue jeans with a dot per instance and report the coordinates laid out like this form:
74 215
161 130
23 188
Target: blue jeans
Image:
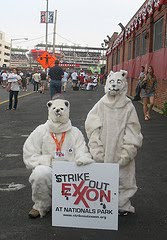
11 94
55 87
36 86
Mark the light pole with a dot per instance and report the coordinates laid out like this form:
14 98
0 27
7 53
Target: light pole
46 46
12 40
102 44
54 32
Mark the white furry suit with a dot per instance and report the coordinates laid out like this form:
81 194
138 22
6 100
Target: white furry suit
40 148
114 134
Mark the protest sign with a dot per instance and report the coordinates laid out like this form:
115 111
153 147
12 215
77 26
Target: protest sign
85 196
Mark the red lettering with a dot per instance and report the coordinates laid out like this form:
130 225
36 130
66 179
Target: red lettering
66 187
104 195
80 193
95 197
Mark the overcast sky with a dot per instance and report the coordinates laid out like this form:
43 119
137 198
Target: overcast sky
81 22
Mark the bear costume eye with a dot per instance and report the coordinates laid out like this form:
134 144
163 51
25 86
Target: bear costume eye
111 81
62 108
66 103
54 108
119 81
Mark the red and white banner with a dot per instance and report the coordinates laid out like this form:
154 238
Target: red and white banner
85 196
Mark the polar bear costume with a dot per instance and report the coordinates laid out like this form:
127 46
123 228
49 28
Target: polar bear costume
114 134
41 149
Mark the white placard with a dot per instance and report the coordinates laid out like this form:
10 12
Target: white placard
85 196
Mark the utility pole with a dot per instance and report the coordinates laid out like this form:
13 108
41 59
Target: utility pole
54 32
46 46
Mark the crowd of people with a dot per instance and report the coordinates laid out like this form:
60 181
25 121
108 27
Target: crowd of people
56 79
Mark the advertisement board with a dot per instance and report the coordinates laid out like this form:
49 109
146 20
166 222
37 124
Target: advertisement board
85 196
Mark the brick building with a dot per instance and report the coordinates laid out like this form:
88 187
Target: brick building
142 41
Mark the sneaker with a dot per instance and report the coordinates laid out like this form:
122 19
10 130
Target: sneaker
13 108
34 213
122 213
8 108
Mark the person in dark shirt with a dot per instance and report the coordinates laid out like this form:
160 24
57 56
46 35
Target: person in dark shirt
55 73
43 81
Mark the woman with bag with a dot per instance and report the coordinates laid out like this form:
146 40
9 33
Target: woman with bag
14 80
148 86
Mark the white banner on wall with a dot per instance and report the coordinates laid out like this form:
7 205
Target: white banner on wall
85 196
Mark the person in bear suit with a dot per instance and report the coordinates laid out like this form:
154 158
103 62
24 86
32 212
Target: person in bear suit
52 141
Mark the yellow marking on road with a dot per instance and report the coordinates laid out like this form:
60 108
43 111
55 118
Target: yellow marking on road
18 97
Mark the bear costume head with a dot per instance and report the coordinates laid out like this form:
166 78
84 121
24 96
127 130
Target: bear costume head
58 111
116 83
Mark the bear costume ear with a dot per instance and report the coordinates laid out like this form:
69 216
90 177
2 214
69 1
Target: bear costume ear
67 103
49 104
111 72
124 73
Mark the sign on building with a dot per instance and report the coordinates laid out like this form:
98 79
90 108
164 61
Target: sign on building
85 196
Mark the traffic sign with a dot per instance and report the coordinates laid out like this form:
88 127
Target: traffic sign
46 60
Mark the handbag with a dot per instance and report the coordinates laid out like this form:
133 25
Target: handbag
143 85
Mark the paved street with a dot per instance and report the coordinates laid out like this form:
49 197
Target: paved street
150 220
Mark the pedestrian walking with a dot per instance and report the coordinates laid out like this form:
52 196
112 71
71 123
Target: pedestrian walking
64 81
148 86
43 81
74 77
138 87
4 79
36 78
24 82
14 82
55 73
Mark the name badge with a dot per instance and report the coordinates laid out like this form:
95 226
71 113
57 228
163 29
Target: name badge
58 154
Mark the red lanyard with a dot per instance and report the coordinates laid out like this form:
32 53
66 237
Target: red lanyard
58 143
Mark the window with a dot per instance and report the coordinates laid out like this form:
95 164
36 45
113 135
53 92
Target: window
118 56
7 54
7 47
158 40
137 46
5 60
129 50
143 43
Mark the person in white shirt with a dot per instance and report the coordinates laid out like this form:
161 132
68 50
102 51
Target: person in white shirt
74 77
92 85
4 79
14 80
36 77
64 81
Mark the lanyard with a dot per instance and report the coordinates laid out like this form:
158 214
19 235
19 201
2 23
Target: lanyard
58 143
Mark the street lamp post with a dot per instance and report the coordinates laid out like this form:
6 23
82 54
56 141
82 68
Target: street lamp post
46 46
12 40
